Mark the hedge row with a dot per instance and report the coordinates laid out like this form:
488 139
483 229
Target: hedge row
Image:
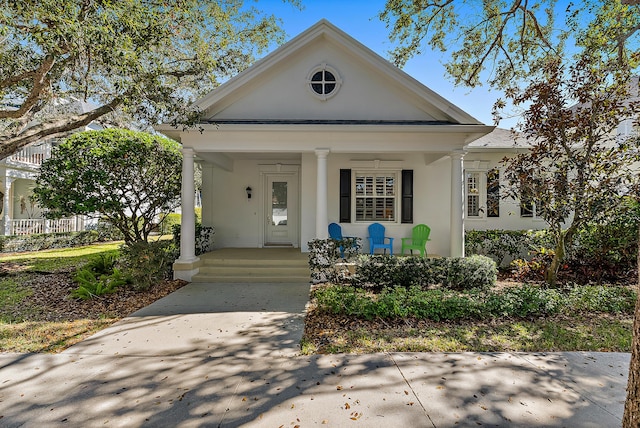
15 244
456 273
379 271
503 246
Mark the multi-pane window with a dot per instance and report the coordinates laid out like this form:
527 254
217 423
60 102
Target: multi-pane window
482 193
376 196
323 82
472 183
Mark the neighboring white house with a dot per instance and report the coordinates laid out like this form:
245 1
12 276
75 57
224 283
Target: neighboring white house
19 215
325 130
485 207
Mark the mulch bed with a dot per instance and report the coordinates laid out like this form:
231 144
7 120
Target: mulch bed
51 299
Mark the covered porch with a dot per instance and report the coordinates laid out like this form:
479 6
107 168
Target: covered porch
280 204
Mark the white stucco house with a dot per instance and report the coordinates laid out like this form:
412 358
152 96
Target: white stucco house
19 214
325 130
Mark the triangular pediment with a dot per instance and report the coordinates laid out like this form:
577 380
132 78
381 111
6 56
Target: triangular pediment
368 88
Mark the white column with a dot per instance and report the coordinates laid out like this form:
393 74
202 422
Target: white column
322 217
457 204
188 220
6 203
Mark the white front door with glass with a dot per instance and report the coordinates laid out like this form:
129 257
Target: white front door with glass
281 210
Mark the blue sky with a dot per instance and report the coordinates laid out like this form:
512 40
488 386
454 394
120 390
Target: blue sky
358 18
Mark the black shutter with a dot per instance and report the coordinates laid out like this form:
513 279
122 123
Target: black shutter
407 196
345 196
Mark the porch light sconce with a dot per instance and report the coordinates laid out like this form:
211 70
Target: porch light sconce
249 190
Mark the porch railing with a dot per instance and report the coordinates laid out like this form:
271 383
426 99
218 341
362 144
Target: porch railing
38 225
33 155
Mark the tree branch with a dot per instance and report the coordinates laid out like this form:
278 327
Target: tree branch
53 128
493 44
40 83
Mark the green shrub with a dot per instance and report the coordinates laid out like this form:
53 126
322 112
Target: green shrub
323 256
605 249
204 237
106 231
525 301
337 299
397 302
103 264
46 241
90 285
598 298
148 262
99 276
441 305
533 269
504 246
472 272
380 271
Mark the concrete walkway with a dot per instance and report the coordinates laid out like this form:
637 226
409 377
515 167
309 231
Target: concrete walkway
225 355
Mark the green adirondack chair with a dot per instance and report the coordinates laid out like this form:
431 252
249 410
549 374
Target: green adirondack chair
418 241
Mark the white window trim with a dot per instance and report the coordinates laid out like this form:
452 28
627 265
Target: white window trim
481 168
482 193
397 176
324 67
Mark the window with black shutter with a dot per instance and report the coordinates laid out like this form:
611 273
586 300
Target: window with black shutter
407 196
345 196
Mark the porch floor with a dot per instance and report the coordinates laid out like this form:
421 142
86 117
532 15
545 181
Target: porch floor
254 265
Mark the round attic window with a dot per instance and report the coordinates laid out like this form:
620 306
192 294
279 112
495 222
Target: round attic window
324 81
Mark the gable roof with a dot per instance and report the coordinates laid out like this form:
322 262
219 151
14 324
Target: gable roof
435 105
499 139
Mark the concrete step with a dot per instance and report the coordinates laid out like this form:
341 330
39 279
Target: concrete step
254 262
201 277
254 270
253 265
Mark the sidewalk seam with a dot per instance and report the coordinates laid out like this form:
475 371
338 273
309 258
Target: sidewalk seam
406 381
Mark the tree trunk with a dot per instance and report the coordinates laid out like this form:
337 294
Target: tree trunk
551 275
631 417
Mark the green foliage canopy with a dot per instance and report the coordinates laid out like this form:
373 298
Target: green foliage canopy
577 166
142 58
509 40
130 178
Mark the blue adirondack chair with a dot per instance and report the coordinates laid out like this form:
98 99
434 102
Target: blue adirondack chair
378 240
335 232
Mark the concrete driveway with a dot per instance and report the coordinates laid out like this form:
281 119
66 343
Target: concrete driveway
226 355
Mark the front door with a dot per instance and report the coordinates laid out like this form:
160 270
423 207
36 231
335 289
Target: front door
281 210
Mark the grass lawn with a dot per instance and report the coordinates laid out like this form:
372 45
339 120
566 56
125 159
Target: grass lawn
67 256
37 313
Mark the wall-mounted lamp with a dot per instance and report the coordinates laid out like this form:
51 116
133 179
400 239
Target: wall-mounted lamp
249 190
